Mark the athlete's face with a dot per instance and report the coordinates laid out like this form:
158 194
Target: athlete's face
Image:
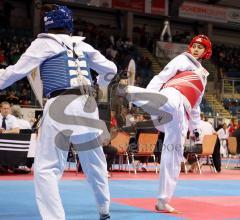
197 50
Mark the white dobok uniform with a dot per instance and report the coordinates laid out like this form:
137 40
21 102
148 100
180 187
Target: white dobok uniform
223 135
59 70
182 81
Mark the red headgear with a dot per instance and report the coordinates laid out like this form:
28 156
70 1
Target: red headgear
205 41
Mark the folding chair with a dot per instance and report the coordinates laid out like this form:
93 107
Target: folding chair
232 150
121 142
146 146
208 145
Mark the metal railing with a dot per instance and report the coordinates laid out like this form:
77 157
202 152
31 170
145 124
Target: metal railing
230 88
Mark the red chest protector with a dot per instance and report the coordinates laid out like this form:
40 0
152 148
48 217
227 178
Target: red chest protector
189 84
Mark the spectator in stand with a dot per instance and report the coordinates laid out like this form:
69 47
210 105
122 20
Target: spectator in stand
112 40
25 97
206 128
130 120
233 126
8 125
113 121
138 81
227 59
12 98
111 53
22 124
3 95
8 122
223 135
17 112
2 59
128 44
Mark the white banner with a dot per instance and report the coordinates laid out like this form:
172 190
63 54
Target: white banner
203 12
36 84
169 50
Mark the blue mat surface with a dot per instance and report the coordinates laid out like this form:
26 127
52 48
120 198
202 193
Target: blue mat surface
17 201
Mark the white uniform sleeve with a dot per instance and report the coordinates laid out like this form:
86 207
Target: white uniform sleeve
38 51
194 116
104 67
179 63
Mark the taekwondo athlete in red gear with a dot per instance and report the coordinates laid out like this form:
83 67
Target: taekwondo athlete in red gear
65 64
182 83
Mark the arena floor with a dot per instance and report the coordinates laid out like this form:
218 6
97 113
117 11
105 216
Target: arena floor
206 196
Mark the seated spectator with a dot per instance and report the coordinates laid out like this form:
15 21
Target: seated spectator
205 128
22 124
8 125
8 122
233 126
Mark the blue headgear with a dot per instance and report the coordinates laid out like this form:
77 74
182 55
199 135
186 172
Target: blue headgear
60 17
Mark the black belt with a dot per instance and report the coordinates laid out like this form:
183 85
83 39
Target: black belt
81 90
65 92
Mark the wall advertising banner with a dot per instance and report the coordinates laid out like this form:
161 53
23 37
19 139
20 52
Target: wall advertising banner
203 12
97 3
160 7
131 5
169 50
233 15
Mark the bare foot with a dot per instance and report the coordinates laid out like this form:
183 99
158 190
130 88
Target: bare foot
166 208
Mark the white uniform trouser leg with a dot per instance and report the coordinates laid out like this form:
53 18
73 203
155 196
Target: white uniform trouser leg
172 151
223 148
175 133
50 162
95 168
48 168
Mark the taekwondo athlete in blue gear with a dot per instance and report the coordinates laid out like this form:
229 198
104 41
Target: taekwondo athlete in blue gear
65 62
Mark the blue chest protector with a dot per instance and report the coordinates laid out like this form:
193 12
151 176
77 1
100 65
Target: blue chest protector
62 70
